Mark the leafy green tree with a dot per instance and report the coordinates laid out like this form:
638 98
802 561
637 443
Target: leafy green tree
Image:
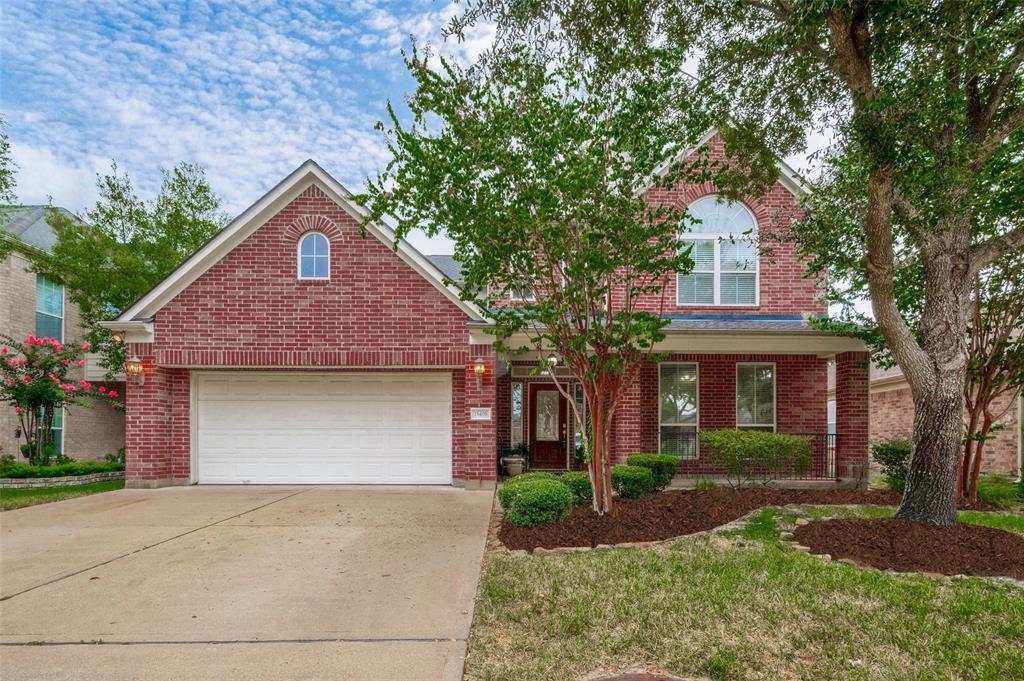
6 165
923 100
125 246
536 170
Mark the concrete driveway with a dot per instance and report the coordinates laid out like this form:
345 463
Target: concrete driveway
242 582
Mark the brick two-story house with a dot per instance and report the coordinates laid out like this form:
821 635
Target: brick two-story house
291 349
34 304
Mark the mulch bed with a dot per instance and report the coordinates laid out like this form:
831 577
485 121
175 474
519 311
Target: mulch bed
918 547
675 513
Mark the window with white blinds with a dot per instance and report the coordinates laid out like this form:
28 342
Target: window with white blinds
724 253
677 409
755 396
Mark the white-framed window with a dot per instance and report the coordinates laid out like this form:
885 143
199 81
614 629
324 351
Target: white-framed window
755 396
678 409
521 294
830 407
49 308
724 253
314 256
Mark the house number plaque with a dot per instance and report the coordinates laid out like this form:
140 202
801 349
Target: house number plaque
479 413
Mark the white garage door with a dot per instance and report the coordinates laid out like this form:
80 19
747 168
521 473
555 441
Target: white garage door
322 428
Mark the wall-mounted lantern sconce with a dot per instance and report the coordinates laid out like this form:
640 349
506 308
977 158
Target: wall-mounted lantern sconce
117 337
479 368
133 367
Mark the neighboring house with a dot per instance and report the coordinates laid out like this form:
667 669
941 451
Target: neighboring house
290 349
892 418
32 304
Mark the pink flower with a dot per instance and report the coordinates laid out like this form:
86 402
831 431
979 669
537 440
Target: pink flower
66 362
26 379
17 410
3 351
31 340
85 384
86 346
54 341
13 362
102 389
113 393
81 362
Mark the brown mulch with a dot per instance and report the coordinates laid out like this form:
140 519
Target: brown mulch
918 547
675 513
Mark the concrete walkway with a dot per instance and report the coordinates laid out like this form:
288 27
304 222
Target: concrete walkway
242 583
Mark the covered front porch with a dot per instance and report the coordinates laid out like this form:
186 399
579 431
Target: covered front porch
769 376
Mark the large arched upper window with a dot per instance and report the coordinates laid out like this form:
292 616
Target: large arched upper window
314 257
724 255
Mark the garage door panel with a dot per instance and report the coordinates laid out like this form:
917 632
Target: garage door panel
323 428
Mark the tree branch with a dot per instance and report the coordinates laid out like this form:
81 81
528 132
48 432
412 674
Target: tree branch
988 148
999 90
989 251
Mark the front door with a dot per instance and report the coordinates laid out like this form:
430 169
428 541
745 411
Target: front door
547 426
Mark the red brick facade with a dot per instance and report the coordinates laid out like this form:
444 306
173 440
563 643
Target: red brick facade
376 312
892 418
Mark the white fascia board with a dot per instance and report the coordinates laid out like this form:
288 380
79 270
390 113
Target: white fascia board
257 215
719 343
133 331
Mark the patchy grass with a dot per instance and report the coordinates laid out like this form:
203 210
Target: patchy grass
999 490
1013 522
742 606
30 496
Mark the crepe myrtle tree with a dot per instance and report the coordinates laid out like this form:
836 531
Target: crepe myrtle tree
34 381
537 171
923 104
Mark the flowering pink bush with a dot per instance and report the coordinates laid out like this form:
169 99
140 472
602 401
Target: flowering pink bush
34 380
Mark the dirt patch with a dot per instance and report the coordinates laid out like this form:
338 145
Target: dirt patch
918 547
673 514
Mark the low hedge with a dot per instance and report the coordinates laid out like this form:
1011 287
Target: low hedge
21 470
632 482
748 455
578 483
509 488
662 466
894 458
539 501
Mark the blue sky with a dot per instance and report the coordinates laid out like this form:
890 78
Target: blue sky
249 89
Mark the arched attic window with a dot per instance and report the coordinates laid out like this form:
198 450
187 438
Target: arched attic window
724 255
314 256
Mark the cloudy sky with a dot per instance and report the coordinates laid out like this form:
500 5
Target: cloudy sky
247 88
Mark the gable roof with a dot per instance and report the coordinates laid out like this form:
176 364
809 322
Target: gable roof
788 177
255 216
449 266
28 225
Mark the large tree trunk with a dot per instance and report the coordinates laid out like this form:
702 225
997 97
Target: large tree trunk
938 382
935 463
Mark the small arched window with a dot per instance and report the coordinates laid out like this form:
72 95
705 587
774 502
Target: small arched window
314 257
724 255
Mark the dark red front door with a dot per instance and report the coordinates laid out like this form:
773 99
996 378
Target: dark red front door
547 426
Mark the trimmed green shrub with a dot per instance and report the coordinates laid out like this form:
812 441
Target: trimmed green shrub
21 470
894 458
704 485
509 488
663 467
748 455
578 483
632 482
539 501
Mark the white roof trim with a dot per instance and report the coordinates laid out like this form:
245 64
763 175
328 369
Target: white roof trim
256 215
788 177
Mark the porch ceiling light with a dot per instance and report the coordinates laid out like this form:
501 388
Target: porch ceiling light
133 367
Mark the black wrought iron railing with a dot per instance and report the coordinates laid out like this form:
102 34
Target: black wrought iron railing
821 466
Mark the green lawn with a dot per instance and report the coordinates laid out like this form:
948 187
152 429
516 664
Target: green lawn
744 606
30 496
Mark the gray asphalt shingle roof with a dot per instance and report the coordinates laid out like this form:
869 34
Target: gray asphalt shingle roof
28 224
448 265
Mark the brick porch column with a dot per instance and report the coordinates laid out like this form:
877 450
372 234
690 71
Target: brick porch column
157 437
475 438
852 416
